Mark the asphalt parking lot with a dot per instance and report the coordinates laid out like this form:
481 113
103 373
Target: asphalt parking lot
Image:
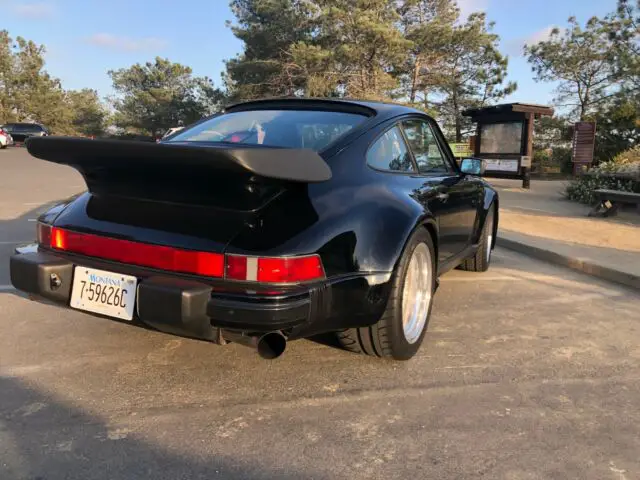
528 372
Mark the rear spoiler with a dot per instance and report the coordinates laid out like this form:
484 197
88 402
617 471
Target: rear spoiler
88 156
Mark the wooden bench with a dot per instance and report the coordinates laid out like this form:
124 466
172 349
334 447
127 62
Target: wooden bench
610 200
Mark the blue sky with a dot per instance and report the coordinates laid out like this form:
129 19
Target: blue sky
86 38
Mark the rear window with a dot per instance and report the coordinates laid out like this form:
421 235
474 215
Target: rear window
275 128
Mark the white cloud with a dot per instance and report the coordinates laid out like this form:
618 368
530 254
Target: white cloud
467 7
515 45
33 10
126 44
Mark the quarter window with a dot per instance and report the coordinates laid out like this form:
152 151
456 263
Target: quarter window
424 146
389 152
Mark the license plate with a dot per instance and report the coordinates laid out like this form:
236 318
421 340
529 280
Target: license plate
103 292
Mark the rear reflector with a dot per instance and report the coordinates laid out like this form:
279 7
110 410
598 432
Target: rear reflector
274 269
207 264
44 234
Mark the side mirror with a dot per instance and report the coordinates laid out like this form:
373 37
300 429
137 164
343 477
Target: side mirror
472 166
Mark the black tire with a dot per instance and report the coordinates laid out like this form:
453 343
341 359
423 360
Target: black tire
386 338
481 260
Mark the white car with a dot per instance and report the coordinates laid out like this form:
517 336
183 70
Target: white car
5 138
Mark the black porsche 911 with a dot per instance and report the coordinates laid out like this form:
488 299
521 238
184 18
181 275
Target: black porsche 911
271 221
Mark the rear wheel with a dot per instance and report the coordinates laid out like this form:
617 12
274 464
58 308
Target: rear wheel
401 329
482 258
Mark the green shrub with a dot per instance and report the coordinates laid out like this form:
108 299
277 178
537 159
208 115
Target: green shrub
622 173
541 161
562 157
583 188
630 156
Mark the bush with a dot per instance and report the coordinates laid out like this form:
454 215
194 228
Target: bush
583 188
627 163
561 156
556 159
622 173
630 156
541 161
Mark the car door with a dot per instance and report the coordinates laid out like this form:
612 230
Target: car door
456 201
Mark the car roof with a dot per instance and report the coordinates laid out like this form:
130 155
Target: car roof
365 107
23 123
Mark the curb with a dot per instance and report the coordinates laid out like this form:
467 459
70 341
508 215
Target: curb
574 263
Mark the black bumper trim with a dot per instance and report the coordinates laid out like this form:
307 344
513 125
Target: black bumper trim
32 273
175 306
263 316
169 304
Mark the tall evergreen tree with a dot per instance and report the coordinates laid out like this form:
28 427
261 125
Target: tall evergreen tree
268 30
412 50
89 114
427 24
363 43
472 73
157 95
27 91
581 61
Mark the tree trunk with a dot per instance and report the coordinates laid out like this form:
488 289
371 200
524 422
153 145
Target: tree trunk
414 82
458 122
584 105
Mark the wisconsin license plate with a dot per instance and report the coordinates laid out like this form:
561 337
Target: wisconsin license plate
103 292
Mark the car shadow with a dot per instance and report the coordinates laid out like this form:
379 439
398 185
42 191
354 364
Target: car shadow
44 438
329 339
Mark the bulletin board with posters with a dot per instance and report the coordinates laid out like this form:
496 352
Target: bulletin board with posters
501 146
504 138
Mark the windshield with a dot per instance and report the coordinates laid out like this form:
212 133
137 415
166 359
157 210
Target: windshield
276 128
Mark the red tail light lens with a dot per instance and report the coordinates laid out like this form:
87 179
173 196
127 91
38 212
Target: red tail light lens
274 269
155 256
236 267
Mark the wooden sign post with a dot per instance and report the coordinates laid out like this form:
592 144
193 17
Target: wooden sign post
584 141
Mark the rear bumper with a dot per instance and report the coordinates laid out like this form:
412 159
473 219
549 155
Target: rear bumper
176 305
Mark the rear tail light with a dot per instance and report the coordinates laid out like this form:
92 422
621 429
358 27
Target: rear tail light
135 253
233 267
274 269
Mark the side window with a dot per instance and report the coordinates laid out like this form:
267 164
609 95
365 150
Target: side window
424 146
389 152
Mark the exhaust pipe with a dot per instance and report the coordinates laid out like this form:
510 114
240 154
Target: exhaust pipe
270 345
